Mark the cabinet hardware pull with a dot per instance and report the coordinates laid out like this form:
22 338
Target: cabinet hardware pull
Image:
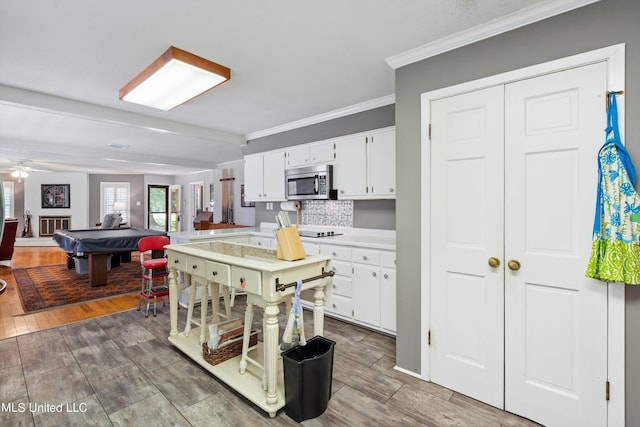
514 265
386 276
214 273
374 274
493 262
364 258
194 267
176 261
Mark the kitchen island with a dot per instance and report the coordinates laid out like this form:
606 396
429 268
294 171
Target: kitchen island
267 281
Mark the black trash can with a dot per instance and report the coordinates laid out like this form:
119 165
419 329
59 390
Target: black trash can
308 372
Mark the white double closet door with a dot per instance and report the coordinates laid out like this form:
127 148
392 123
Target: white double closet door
514 321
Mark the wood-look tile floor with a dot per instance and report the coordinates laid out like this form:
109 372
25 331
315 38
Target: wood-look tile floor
120 370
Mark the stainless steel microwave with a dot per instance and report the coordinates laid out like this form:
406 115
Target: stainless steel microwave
310 183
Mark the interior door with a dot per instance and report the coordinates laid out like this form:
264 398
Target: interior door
556 318
467 230
535 221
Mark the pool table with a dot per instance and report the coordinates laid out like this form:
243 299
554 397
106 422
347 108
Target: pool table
98 244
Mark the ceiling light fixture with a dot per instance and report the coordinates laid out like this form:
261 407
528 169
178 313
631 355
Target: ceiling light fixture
19 173
173 79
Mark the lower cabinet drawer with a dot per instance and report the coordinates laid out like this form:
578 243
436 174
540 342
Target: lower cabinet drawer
341 286
340 305
341 268
246 279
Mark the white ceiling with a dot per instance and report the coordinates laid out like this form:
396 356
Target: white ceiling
62 63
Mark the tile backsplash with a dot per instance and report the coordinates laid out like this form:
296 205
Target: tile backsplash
335 213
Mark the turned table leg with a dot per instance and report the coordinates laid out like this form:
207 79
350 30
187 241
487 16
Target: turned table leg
173 302
270 341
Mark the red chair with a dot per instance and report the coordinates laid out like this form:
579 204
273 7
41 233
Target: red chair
153 268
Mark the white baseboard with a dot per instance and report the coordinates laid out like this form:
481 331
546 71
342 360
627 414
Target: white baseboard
35 241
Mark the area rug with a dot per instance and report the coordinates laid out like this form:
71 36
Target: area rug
50 286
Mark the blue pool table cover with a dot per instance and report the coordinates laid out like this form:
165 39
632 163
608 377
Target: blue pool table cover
97 240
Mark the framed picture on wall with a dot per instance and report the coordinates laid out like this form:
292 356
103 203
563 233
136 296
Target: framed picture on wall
56 195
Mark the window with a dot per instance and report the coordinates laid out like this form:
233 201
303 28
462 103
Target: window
9 204
111 193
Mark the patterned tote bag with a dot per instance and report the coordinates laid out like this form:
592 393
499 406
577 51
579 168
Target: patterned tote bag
615 251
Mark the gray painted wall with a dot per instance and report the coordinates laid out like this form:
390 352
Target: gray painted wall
137 193
598 25
361 122
378 214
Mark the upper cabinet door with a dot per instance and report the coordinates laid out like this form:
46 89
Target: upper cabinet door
253 173
273 176
350 167
382 164
297 157
322 153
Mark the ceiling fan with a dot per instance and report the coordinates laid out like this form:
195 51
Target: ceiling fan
21 170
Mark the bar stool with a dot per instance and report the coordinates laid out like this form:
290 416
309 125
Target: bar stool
153 268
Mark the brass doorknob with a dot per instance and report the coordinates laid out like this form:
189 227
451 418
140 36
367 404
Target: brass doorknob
494 262
514 265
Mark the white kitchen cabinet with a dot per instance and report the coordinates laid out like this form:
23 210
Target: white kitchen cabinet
310 154
341 281
363 288
364 166
366 287
264 177
365 294
388 292
382 164
350 167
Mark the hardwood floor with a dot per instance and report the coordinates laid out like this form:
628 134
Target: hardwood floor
13 320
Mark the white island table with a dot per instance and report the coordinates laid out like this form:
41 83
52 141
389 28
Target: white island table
265 278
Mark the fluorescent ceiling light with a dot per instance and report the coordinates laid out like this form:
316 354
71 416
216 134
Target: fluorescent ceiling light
173 79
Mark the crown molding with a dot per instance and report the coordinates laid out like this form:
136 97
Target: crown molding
498 26
335 114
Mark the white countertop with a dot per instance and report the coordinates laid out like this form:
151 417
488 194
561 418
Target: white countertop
213 234
363 237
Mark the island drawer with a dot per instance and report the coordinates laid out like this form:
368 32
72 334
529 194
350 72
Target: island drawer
246 279
196 267
219 273
178 261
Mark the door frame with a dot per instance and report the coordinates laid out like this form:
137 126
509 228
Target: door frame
614 56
